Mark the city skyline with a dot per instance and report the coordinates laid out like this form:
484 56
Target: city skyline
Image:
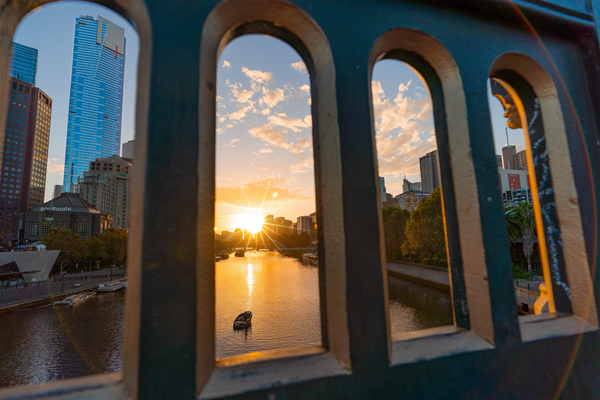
399 93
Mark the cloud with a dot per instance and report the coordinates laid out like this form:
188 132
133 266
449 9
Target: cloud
300 146
300 67
257 77
271 97
226 64
56 165
302 167
404 130
258 193
269 135
269 168
241 112
241 96
265 150
291 123
232 143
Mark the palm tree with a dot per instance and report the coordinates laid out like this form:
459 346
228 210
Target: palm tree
520 222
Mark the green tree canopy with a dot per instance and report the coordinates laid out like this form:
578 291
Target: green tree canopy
394 226
96 250
520 223
115 244
425 238
71 246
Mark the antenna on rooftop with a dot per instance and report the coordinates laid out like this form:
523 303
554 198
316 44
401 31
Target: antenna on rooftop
507 141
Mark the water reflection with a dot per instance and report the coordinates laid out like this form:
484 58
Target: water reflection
57 343
283 296
62 342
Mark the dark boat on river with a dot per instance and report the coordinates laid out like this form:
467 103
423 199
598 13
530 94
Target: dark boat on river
240 253
243 321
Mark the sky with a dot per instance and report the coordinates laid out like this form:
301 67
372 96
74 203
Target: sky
264 123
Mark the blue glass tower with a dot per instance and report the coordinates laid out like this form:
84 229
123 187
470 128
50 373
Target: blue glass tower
24 63
96 99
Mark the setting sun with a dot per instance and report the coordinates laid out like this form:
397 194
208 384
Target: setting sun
250 221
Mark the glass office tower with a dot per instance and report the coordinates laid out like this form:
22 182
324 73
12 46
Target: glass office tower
24 63
96 99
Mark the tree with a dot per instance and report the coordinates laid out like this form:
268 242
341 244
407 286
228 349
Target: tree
425 236
520 222
115 243
96 249
71 246
394 226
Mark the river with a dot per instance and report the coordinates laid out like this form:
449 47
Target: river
63 342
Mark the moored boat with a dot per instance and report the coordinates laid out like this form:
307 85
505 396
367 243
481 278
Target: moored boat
74 299
240 253
243 321
112 287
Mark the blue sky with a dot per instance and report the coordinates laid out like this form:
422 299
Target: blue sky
264 146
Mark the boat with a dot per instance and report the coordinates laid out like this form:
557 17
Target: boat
240 253
243 321
310 259
224 256
74 299
112 287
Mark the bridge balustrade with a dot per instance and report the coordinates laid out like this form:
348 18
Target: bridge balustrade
490 352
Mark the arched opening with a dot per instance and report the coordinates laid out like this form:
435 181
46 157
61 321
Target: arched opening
550 216
71 100
266 216
411 199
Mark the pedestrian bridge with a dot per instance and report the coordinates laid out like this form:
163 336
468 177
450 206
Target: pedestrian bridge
546 52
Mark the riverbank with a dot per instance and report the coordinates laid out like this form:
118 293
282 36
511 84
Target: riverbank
429 275
41 292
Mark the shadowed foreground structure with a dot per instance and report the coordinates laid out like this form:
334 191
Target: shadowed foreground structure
546 52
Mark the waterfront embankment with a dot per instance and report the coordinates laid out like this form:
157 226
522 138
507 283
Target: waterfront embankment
31 294
429 275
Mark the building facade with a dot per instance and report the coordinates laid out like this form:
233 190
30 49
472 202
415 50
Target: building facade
68 211
508 155
304 224
25 153
410 199
514 185
106 185
127 150
521 160
407 185
96 97
57 191
24 63
430 171
498 161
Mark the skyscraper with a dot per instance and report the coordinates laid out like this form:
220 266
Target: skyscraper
127 151
24 63
508 154
25 155
430 172
521 160
96 98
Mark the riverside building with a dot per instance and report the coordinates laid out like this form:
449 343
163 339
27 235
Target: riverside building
25 153
96 97
106 185
430 172
68 211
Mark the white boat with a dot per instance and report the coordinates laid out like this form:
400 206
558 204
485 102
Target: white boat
73 299
112 287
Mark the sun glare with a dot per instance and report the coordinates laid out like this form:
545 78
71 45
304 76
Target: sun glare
249 221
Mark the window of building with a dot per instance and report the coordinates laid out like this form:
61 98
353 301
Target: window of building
33 229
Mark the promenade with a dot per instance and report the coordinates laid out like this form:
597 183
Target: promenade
31 293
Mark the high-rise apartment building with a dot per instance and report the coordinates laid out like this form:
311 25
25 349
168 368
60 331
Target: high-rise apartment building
508 155
127 150
24 63
382 189
498 161
96 97
57 191
521 160
25 153
304 224
106 185
430 171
